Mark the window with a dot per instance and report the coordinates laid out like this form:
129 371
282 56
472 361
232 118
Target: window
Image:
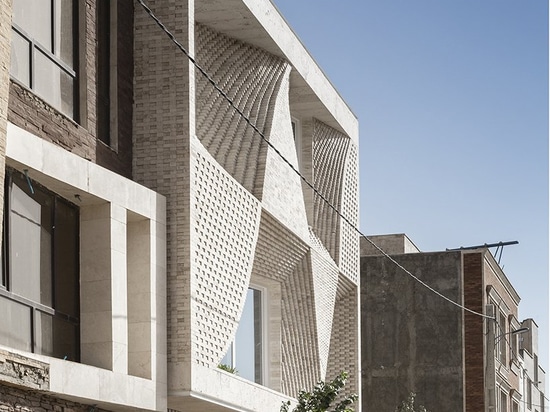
40 275
246 352
503 402
529 394
297 134
106 71
502 341
536 370
43 50
515 406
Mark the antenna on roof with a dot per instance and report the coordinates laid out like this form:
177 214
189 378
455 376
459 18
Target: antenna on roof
499 246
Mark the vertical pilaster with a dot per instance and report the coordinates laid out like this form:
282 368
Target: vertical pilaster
5 42
104 308
164 123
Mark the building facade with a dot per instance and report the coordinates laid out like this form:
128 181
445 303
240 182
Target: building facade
415 341
159 252
532 375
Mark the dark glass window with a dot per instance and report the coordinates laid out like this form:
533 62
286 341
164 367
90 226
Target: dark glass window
104 71
40 276
43 50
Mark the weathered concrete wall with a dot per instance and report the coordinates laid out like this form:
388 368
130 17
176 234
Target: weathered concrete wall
395 244
411 338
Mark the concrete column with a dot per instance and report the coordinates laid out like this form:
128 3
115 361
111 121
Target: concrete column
104 309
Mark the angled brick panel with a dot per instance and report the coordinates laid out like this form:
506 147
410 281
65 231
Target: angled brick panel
251 78
282 191
349 238
226 220
325 281
278 250
300 353
330 149
344 352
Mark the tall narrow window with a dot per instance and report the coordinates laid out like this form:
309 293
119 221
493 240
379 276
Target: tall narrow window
246 351
297 134
43 50
503 402
503 343
39 299
104 71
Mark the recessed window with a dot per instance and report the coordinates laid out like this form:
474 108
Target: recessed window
503 343
246 352
297 134
43 50
40 280
503 402
104 52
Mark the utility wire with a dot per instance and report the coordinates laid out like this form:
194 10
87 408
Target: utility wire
309 184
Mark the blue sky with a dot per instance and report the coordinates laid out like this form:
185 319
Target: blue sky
452 101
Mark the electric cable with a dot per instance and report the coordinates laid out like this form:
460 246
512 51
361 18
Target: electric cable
306 181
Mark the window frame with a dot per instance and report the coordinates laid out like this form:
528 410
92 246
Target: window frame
261 377
6 288
36 47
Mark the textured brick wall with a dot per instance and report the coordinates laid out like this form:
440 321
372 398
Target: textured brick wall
335 175
33 114
473 332
163 124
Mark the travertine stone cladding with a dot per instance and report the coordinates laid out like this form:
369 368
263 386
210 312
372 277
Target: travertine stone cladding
5 41
251 78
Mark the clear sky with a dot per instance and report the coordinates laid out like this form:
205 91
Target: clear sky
452 101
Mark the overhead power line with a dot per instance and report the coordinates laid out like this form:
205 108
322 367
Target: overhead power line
306 181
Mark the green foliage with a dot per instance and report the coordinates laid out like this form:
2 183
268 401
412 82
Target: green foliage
322 397
228 368
408 405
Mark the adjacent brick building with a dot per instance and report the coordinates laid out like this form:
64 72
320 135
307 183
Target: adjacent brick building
150 234
416 341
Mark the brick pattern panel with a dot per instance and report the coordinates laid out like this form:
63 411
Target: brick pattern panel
349 241
278 250
344 351
226 219
300 353
334 166
251 78
325 281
